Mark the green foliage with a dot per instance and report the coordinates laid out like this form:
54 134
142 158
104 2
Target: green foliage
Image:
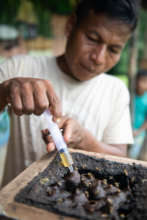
122 67
63 7
143 27
44 18
44 25
8 11
44 9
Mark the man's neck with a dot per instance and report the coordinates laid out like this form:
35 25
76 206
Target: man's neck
61 62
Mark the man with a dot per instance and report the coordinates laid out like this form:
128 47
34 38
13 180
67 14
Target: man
97 105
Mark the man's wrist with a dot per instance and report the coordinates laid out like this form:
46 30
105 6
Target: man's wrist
87 140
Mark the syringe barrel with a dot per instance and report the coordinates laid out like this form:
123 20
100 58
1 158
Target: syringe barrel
55 133
59 142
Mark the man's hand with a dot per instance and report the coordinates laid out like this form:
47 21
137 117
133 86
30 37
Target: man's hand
29 95
78 137
73 133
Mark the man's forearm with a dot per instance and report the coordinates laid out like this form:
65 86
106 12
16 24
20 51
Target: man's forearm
76 136
90 143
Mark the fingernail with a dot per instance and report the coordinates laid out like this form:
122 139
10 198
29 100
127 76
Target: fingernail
58 120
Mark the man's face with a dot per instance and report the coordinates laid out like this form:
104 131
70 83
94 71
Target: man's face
94 46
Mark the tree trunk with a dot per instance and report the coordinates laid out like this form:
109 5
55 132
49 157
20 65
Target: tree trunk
143 65
132 70
143 154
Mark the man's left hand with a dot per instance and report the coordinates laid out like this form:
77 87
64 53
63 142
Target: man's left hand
73 133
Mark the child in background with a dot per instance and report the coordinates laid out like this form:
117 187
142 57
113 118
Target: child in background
140 114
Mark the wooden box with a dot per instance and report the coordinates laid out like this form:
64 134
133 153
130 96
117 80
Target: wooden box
23 212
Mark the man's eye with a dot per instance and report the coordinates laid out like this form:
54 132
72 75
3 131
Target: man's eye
92 39
112 50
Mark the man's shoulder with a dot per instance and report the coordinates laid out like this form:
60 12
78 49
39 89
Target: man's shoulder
113 82
27 60
26 66
115 87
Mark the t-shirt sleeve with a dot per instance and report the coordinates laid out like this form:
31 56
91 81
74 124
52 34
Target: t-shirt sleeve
19 66
119 129
10 68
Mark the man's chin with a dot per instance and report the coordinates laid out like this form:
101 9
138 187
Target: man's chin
83 78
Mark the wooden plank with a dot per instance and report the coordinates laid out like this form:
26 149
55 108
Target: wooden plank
124 160
24 212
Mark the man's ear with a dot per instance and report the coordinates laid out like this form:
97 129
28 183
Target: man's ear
70 25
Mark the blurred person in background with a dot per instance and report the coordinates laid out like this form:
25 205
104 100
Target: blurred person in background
140 114
11 43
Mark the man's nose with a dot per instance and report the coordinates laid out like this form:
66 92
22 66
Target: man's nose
99 54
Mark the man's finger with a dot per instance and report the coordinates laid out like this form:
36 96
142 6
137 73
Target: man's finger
61 121
40 98
46 135
50 147
16 101
27 99
54 102
67 129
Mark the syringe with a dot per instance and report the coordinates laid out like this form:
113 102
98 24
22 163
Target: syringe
59 142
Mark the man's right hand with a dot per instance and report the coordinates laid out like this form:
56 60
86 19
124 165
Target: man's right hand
29 95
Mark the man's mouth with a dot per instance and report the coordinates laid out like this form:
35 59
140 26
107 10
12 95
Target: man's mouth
88 69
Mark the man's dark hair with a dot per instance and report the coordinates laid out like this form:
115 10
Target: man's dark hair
125 11
141 73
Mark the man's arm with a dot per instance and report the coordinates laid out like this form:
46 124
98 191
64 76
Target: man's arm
78 137
90 143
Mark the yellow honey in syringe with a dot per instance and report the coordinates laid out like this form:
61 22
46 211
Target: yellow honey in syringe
66 159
